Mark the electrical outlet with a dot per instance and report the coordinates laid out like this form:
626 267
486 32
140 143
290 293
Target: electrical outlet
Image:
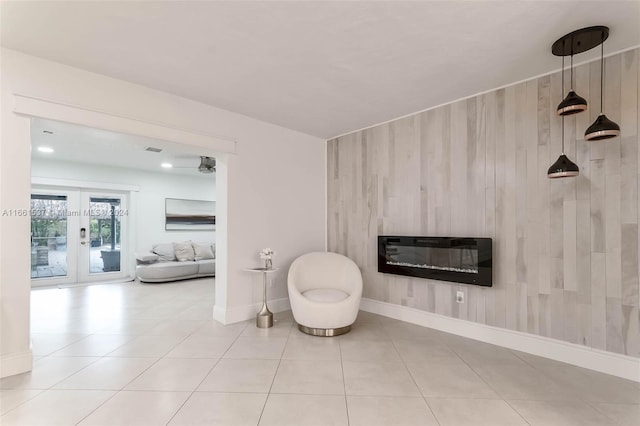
460 296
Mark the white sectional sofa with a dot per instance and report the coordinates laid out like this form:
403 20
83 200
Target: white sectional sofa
176 261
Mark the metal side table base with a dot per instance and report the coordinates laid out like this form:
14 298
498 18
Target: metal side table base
264 319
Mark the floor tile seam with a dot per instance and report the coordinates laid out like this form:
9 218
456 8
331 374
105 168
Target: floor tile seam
75 372
97 357
344 382
191 393
549 376
40 391
478 375
141 373
61 348
183 404
77 341
517 412
161 356
561 400
98 407
557 390
185 310
457 352
205 376
133 337
486 398
266 400
231 391
139 390
406 367
235 340
306 393
593 406
191 357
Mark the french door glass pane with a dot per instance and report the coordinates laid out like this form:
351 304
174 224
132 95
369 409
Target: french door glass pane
104 229
48 235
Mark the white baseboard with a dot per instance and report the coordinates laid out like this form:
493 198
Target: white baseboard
605 362
246 312
220 314
16 363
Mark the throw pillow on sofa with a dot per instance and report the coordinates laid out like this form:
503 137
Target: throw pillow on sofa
203 251
165 252
184 251
147 257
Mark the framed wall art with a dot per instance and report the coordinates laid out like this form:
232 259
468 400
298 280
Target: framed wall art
189 215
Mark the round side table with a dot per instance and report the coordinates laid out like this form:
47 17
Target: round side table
264 318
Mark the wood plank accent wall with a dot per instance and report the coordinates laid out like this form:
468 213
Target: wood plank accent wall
565 251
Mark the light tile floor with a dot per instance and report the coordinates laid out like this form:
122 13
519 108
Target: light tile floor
140 354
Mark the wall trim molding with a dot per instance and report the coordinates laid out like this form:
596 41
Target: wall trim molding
16 363
594 359
54 110
247 312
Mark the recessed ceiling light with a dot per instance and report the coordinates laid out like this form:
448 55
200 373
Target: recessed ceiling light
167 165
45 149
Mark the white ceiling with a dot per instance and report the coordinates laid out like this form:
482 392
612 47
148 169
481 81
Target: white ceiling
79 144
321 67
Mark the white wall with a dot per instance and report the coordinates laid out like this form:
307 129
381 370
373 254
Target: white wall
147 215
271 192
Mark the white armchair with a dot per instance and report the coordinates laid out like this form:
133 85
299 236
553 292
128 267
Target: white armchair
325 291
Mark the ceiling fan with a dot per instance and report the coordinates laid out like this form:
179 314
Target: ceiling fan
207 165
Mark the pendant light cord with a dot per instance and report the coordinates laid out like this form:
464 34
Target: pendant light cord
563 95
602 75
571 81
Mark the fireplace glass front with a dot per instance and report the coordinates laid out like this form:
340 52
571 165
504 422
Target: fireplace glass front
463 260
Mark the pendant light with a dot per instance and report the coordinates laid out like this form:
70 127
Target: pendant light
573 103
602 128
563 167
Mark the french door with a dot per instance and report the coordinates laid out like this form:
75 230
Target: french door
78 236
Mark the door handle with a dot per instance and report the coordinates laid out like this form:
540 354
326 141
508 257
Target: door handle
83 235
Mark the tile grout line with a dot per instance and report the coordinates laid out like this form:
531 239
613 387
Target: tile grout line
475 372
206 375
344 382
413 378
116 392
266 400
23 402
593 406
517 412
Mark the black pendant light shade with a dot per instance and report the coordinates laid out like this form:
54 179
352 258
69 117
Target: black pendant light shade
563 167
602 128
572 104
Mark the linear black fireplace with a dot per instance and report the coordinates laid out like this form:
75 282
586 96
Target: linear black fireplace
461 260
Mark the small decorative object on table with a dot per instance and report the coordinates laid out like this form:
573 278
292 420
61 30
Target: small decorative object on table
267 255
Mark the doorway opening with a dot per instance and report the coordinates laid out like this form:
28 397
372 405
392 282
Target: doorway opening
99 197
78 236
